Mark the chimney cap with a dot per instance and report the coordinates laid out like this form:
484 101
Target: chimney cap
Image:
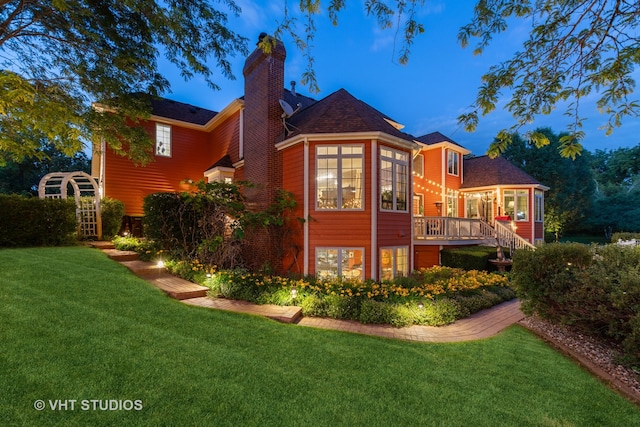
261 36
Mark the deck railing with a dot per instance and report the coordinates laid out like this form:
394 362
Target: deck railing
446 228
507 238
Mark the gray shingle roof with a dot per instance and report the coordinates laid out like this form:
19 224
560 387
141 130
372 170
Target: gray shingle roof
180 111
341 112
483 172
435 138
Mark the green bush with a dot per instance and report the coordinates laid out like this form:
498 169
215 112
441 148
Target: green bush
624 236
469 258
112 213
375 312
595 289
29 221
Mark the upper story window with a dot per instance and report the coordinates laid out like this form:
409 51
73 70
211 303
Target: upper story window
418 165
539 205
394 179
516 204
339 177
453 163
163 140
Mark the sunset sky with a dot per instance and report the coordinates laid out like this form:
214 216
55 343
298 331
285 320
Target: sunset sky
426 95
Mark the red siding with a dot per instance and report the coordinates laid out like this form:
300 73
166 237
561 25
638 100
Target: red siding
426 256
224 139
293 182
340 228
130 184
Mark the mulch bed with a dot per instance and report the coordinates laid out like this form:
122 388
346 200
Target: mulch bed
595 355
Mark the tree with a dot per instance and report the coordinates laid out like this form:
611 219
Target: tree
23 177
571 181
575 49
616 205
59 57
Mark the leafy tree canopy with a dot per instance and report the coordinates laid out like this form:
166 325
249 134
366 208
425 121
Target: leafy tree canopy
57 57
571 181
575 49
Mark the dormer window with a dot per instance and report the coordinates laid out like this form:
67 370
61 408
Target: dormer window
163 140
453 163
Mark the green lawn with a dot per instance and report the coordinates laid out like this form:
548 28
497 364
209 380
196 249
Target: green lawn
77 326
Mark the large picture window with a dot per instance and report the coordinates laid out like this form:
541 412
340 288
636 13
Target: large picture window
394 179
394 262
339 177
453 163
163 140
343 262
516 204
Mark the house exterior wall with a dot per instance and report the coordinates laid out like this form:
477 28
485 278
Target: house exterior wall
430 184
130 184
293 182
224 139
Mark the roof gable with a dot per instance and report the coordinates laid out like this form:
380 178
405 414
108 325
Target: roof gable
486 172
341 112
436 138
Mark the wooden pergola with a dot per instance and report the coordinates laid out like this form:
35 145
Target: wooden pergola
55 185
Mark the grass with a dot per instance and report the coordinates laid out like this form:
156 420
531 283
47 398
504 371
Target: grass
76 325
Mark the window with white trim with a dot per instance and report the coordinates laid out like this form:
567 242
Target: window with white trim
539 205
394 179
516 204
339 177
453 163
452 203
340 262
418 204
394 262
163 140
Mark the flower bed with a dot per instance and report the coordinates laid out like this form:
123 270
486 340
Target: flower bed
435 296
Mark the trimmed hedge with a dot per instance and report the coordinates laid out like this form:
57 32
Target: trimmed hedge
469 258
29 221
595 289
112 213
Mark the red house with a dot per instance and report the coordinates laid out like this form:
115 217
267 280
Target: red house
382 202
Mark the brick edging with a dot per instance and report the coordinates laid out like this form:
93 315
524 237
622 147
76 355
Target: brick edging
606 378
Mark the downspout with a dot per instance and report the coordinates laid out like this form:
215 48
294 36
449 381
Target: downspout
374 209
241 136
305 209
101 176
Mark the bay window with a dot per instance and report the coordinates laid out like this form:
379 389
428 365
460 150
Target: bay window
340 262
394 179
339 177
516 204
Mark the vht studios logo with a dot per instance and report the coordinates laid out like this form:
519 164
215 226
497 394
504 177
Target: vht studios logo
88 405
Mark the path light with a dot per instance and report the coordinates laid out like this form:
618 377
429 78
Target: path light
208 275
160 264
294 292
420 305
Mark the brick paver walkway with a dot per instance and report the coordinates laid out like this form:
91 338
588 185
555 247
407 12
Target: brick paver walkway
481 325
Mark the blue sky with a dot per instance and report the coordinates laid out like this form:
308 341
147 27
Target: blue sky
426 95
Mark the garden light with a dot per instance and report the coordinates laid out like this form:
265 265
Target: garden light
160 264
294 293
420 305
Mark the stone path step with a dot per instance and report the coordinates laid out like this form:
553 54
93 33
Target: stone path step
144 269
178 288
118 255
285 314
102 244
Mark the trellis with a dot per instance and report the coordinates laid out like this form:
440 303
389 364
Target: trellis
55 185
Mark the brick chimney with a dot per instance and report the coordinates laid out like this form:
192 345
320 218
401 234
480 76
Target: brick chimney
263 88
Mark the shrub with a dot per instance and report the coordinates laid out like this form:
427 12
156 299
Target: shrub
29 221
469 258
112 213
597 289
375 312
624 236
